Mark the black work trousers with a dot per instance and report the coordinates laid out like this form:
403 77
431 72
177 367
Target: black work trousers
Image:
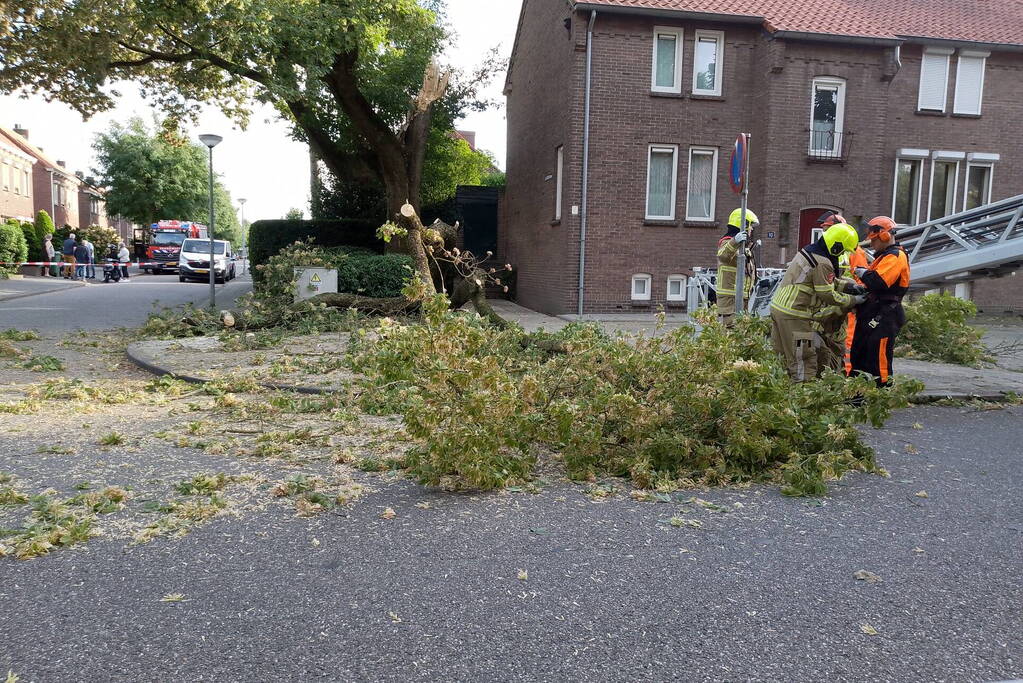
873 346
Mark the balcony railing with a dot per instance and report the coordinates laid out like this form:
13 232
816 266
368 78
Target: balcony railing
829 145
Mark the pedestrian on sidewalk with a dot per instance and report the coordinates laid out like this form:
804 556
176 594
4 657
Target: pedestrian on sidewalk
81 260
125 258
67 255
90 270
49 253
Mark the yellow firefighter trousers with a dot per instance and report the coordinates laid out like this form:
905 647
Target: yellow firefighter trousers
803 349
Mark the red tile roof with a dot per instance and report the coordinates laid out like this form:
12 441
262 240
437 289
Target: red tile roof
982 21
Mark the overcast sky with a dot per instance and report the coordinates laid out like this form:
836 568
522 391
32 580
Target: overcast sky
262 164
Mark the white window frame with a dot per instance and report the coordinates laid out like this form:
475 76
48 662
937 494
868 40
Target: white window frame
683 280
674 180
676 86
713 184
559 175
26 179
970 54
645 277
719 65
941 52
990 180
828 81
919 187
5 176
946 158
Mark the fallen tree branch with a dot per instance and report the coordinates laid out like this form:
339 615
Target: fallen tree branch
367 304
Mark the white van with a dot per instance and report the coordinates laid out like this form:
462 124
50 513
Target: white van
194 262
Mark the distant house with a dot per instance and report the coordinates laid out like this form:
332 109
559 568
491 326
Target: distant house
15 182
622 114
54 188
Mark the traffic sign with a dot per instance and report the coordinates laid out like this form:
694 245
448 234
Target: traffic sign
737 168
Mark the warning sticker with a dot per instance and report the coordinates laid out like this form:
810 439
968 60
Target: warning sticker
315 278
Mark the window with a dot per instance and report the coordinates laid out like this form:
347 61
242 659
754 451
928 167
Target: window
944 183
560 166
4 175
707 62
978 186
969 82
676 288
25 184
666 74
703 166
933 79
662 176
827 116
906 201
641 287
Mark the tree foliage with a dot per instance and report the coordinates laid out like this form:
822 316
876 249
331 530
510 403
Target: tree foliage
156 175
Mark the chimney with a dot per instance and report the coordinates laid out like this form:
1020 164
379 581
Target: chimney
21 131
62 164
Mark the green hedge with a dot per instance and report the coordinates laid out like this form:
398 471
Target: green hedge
268 237
380 275
13 247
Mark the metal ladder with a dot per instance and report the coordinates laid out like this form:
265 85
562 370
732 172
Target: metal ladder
983 242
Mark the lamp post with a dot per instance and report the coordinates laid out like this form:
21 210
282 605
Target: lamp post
245 236
212 141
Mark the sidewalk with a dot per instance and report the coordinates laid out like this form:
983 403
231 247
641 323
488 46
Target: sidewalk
33 286
203 358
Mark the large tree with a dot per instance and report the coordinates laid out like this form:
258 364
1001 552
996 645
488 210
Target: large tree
356 77
153 175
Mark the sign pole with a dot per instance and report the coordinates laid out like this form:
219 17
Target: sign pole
740 266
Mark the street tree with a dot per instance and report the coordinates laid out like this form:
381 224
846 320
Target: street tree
356 77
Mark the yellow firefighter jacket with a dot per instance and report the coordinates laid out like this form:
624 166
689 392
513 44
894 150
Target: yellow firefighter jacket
808 287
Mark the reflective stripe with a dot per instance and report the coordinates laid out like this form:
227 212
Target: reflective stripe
882 360
790 311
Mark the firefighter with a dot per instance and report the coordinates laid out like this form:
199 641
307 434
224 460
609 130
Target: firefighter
831 321
881 316
728 252
857 259
808 287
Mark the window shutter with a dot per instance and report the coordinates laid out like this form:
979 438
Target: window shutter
933 81
969 85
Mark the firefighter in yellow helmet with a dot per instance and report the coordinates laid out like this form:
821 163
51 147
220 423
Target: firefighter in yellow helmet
810 285
728 252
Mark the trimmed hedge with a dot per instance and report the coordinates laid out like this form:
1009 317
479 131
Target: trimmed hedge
377 275
268 237
13 247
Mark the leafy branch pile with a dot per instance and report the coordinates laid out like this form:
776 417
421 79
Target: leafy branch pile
666 411
937 329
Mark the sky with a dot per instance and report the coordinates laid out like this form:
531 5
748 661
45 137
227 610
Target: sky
262 164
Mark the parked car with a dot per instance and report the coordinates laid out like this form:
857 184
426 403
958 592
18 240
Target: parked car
194 263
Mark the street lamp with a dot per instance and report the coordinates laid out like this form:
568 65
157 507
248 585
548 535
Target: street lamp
212 141
245 236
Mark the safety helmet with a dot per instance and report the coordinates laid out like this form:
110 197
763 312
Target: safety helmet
735 219
840 238
882 227
829 218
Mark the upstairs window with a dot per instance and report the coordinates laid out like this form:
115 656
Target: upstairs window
707 62
667 62
662 178
969 82
934 79
827 116
24 179
906 199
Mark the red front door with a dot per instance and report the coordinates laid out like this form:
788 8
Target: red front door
808 231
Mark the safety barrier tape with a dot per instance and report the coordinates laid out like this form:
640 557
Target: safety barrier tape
136 264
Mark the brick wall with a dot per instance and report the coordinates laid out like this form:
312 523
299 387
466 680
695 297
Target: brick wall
767 87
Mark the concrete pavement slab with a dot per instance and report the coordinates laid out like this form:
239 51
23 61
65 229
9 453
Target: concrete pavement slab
33 286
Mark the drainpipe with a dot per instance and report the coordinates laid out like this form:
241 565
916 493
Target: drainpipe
586 162
53 201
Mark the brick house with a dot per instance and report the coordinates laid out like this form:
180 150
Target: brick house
15 182
91 205
54 188
903 109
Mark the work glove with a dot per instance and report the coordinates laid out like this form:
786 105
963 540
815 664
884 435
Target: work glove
740 237
860 271
853 288
859 299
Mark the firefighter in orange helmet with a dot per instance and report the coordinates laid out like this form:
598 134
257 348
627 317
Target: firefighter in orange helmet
880 318
857 259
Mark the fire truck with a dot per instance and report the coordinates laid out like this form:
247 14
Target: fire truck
159 244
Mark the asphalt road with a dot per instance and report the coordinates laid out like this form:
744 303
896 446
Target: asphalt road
99 306
764 591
